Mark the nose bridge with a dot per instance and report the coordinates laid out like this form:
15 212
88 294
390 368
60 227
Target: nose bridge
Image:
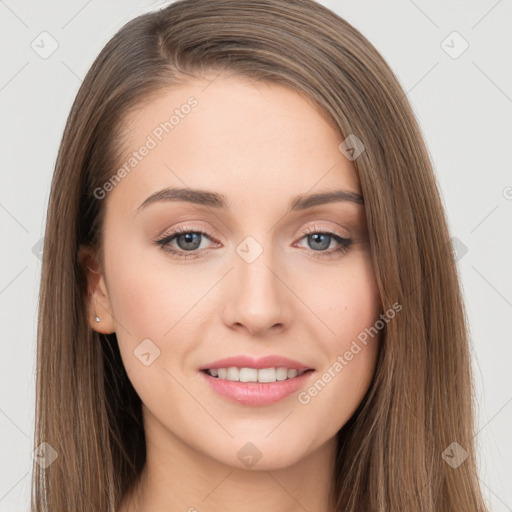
259 298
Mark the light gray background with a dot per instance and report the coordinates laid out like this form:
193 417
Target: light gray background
464 107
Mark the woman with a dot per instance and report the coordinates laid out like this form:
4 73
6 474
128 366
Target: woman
310 351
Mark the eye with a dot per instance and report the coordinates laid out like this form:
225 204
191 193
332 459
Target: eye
319 240
187 239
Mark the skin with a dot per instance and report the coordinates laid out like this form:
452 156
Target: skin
259 144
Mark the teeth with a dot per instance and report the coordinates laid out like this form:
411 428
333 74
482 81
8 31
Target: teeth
244 374
254 375
282 374
233 373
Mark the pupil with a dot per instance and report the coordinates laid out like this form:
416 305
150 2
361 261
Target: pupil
190 243
317 239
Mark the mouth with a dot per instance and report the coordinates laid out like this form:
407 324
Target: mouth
256 375
255 387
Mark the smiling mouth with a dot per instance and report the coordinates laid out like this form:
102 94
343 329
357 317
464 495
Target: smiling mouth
254 375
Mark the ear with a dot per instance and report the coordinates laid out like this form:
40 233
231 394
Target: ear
98 302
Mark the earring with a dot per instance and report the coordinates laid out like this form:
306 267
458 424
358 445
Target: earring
97 319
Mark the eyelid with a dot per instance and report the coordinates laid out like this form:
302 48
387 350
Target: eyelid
313 228
317 228
185 229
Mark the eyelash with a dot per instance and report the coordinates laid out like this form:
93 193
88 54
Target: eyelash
166 239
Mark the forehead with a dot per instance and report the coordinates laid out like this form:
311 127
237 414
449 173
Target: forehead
247 139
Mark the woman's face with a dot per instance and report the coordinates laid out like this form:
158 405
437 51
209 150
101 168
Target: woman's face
267 279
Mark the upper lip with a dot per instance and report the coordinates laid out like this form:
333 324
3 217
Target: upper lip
262 362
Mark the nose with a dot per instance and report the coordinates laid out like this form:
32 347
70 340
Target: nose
260 295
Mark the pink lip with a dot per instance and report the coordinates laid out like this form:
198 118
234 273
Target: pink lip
262 362
256 393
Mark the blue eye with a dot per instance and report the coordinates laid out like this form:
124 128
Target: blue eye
188 242
320 240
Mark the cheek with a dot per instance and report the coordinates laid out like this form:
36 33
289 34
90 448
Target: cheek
147 294
154 300
358 338
351 309
347 300
359 304
153 314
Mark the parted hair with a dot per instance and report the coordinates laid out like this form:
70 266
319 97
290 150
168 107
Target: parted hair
421 398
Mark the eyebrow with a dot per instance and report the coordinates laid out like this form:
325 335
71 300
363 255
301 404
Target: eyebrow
216 200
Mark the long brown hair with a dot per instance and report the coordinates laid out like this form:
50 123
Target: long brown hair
392 452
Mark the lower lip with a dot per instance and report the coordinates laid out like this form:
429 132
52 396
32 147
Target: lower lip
256 393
